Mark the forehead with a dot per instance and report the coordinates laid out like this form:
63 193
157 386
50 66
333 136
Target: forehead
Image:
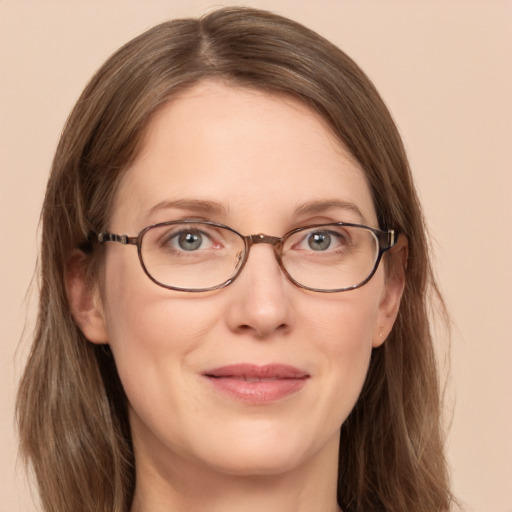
254 154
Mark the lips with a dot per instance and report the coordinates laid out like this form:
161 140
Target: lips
257 384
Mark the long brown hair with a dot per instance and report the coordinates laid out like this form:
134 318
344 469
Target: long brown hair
71 406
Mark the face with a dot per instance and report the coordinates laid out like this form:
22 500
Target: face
258 163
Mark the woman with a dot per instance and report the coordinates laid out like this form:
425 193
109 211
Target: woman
267 344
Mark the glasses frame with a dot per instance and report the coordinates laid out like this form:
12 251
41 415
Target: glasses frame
386 240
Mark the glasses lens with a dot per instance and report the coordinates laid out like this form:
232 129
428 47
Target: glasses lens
330 257
191 255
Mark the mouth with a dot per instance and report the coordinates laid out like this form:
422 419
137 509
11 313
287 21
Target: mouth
257 384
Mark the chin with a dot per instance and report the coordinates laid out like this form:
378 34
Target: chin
264 462
269 451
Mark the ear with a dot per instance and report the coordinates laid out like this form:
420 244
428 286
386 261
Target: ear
84 299
393 288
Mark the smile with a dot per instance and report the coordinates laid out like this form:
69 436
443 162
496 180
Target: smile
257 384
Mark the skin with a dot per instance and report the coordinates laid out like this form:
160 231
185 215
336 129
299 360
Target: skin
260 157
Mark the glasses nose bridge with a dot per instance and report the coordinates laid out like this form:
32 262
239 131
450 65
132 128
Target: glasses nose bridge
275 241
261 238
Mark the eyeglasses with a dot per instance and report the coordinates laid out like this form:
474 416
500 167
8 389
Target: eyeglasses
197 256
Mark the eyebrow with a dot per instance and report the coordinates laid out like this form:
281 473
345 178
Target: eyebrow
206 207
321 206
196 205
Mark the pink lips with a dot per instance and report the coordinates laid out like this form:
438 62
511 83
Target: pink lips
257 384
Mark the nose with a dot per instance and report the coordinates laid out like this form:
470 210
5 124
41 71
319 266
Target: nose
260 303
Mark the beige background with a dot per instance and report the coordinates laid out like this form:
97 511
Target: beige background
444 67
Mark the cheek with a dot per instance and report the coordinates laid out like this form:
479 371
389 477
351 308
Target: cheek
149 328
140 314
153 341
346 323
146 332
344 335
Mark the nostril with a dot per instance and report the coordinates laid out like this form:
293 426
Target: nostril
262 331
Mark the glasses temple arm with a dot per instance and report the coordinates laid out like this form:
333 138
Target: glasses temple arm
122 239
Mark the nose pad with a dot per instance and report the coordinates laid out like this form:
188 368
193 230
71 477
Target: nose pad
260 302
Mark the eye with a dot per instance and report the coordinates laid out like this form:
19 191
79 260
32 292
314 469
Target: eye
189 241
319 241
325 240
